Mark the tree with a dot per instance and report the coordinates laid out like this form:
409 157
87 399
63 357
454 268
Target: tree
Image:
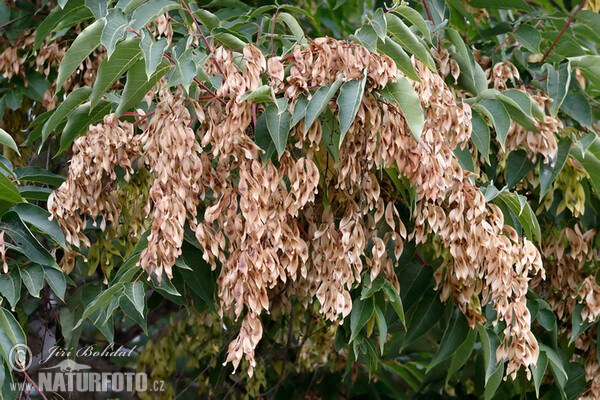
325 199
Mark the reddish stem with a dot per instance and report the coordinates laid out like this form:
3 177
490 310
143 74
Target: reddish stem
210 50
273 29
569 22
427 10
213 94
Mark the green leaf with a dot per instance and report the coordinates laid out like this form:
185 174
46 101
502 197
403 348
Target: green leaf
462 354
408 100
262 137
518 165
114 29
199 276
367 36
577 107
455 335
11 334
129 5
494 382
39 218
10 287
381 326
153 52
86 42
412 374
30 192
481 135
262 94
379 23
299 109
556 365
130 311
590 163
520 207
185 71
578 325
376 286
24 239
520 5
415 280
136 294
74 99
408 40
589 65
489 344
7 140
547 319
125 55
208 19
53 19
229 40
348 101
557 84
414 18
529 37
588 25
362 311
137 84
548 174
40 175
426 314
98 7
294 26
538 370
395 301
330 133
56 280
8 190
148 12
278 124
461 48
497 114
100 301
518 112
464 157
80 120
33 278
397 53
319 102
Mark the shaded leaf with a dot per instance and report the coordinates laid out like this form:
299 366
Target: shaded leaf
348 101
24 239
319 102
518 165
362 311
410 104
74 99
7 140
86 42
111 69
138 84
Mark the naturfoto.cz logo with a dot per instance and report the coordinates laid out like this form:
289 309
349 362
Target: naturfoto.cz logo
70 376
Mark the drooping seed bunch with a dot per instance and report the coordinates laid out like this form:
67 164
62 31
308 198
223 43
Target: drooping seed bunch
261 221
567 259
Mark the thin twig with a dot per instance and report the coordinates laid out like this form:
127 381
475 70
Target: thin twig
33 384
210 50
273 29
427 10
285 355
569 22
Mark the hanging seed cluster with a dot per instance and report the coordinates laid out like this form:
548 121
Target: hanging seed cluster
262 223
567 257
